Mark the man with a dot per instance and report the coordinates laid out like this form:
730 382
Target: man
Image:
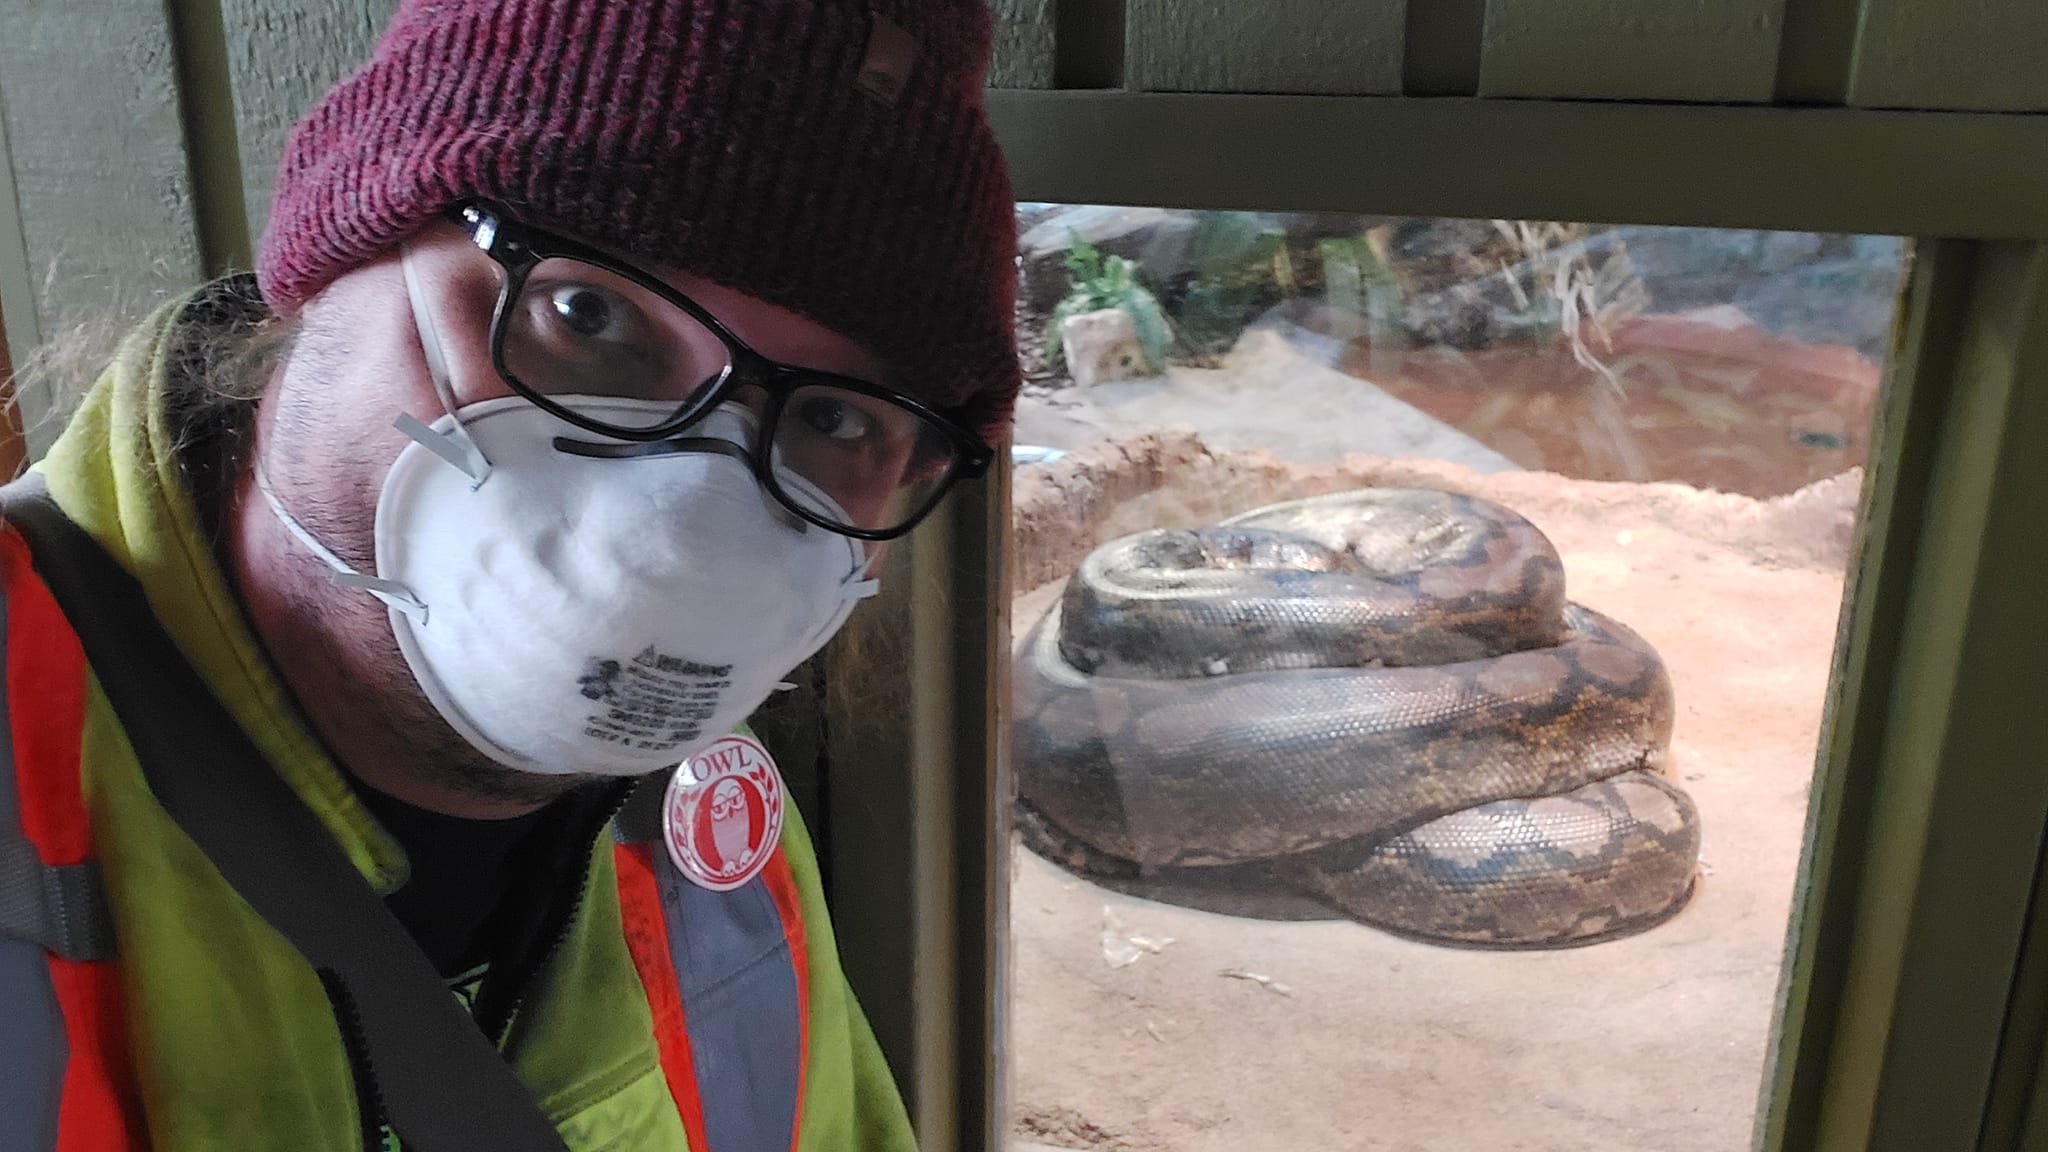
599 349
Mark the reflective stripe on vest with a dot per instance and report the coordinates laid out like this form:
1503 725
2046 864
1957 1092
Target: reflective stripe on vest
32 1059
727 976
75 1084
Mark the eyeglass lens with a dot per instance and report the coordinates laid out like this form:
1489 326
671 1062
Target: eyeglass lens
580 330
878 462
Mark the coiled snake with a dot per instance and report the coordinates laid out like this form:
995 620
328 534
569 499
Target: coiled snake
1380 699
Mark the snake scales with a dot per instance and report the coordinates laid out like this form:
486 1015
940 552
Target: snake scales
1380 700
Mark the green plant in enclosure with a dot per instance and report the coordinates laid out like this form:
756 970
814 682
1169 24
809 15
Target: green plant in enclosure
1099 282
1240 264
1364 293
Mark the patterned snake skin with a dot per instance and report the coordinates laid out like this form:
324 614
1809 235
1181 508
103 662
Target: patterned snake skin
1380 700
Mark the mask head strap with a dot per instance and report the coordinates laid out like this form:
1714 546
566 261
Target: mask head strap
455 446
391 592
859 586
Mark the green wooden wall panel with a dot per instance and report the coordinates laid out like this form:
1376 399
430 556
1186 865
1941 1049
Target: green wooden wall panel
1291 46
1023 54
1978 55
1901 173
1724 50
102 195
283 54
1952 842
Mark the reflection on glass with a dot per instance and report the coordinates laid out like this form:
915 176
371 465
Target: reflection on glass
1422 628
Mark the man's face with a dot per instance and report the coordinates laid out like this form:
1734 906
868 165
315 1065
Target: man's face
326 441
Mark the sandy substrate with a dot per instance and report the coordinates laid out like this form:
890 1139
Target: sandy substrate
1331 1035
1708 398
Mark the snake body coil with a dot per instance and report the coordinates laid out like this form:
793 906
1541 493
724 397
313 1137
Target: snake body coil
1381 699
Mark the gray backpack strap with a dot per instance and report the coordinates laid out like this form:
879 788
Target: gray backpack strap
639 818
444 1087
61 907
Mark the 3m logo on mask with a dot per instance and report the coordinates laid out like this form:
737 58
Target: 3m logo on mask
653 702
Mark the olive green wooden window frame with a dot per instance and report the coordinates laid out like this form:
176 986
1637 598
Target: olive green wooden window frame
1913 994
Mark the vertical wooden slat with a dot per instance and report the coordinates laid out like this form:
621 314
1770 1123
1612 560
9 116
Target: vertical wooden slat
1979 55
1820 944
206 94
1023 55
2009 674
1977 718
12 448
1719 51
974 761
1442 50
1267 46
284 55
869 784
912 689
102 189
1814 51
2033 1133
2017 1116
1088 43
17 286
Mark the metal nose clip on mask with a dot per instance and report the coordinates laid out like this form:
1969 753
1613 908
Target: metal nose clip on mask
569 610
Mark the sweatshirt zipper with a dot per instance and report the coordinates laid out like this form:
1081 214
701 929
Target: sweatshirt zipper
369 1097
500 1023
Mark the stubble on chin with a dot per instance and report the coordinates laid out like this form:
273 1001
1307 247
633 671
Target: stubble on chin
334 645
354 686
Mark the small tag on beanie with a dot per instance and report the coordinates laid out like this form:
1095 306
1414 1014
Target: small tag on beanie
886 68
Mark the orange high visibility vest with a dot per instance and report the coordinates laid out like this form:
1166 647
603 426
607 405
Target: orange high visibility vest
725 973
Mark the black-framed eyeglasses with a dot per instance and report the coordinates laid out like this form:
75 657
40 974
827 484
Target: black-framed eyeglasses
572 321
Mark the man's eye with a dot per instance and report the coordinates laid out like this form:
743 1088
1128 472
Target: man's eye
591 312
836 418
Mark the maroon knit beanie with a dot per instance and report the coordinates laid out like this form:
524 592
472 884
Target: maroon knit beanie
828 156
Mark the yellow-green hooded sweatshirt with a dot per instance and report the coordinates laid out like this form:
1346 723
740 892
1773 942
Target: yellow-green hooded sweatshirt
230 1038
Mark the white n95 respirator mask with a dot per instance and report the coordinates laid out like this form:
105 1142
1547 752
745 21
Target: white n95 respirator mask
573 614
